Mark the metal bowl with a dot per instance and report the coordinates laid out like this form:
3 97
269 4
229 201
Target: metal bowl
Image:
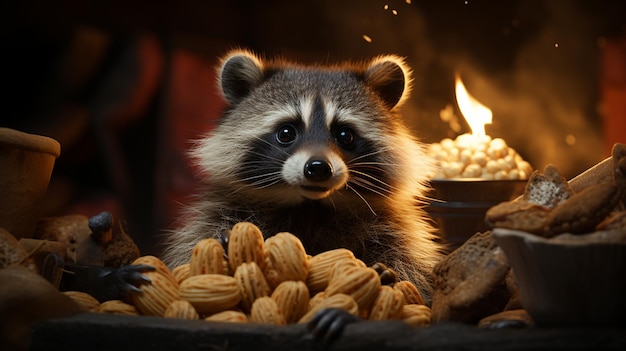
458 206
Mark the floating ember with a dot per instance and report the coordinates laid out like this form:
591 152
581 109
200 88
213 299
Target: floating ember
476 155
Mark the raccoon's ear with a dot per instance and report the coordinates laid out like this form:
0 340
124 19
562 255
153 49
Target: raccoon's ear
240 72
389 77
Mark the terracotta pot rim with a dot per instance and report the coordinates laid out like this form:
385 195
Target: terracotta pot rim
32 142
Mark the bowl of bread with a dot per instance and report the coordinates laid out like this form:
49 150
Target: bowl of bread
472 175
566 244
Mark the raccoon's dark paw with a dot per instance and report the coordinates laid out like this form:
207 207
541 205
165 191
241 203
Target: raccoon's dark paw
124 280
106 283
328 323
387 275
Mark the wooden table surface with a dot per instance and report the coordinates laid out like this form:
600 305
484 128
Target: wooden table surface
116 332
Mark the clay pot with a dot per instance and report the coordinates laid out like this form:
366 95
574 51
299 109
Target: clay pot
26 163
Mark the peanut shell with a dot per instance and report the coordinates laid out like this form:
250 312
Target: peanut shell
117 307
210 293
361 283
287 259
416 315
86 301
245 244
409 290
320 265
292 298
251 283
342 301
181 309
229 316
265 310
207 257
157 295
388 304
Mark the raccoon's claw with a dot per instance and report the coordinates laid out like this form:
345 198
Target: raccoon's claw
127 279
106 283
387 275
222 238
328 323
114 283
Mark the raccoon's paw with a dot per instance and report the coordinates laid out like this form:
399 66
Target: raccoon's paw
387 275
115 283
106 283
328 323
127 279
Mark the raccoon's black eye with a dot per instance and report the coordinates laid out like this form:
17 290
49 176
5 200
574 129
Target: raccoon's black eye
345 138
286 134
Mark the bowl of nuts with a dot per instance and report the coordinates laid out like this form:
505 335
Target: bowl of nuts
473 174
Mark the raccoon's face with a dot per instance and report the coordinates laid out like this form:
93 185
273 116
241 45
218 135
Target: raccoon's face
295 134
303 155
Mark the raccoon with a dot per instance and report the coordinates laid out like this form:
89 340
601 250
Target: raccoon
320 152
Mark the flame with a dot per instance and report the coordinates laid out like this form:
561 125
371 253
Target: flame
475 113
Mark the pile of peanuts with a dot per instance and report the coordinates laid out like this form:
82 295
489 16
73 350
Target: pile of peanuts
470 156
270 281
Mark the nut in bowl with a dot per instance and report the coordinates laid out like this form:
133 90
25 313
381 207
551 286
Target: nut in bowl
569 279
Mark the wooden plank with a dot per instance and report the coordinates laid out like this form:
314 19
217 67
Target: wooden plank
115 332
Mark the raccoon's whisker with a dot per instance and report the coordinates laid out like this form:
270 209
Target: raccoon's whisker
262 181
369 164
264 175
265 182
427 200
268 143
265 157
369 179
379 151
365 186
362 198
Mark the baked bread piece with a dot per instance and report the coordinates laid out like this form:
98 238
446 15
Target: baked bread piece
547 189
518 215
584 211
470 282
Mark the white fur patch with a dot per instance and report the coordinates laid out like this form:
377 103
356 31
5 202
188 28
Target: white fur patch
329 110
306 110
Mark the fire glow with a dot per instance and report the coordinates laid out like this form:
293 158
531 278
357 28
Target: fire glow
475 113
476 154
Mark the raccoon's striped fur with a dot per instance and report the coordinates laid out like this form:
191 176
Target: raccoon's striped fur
320 152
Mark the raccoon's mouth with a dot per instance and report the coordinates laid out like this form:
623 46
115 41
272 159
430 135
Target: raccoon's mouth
313 192
314 188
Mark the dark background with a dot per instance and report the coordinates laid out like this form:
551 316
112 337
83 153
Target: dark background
124 85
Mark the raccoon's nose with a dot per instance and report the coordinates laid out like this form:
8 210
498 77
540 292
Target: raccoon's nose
318 170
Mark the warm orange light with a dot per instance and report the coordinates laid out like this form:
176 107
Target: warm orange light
475 113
